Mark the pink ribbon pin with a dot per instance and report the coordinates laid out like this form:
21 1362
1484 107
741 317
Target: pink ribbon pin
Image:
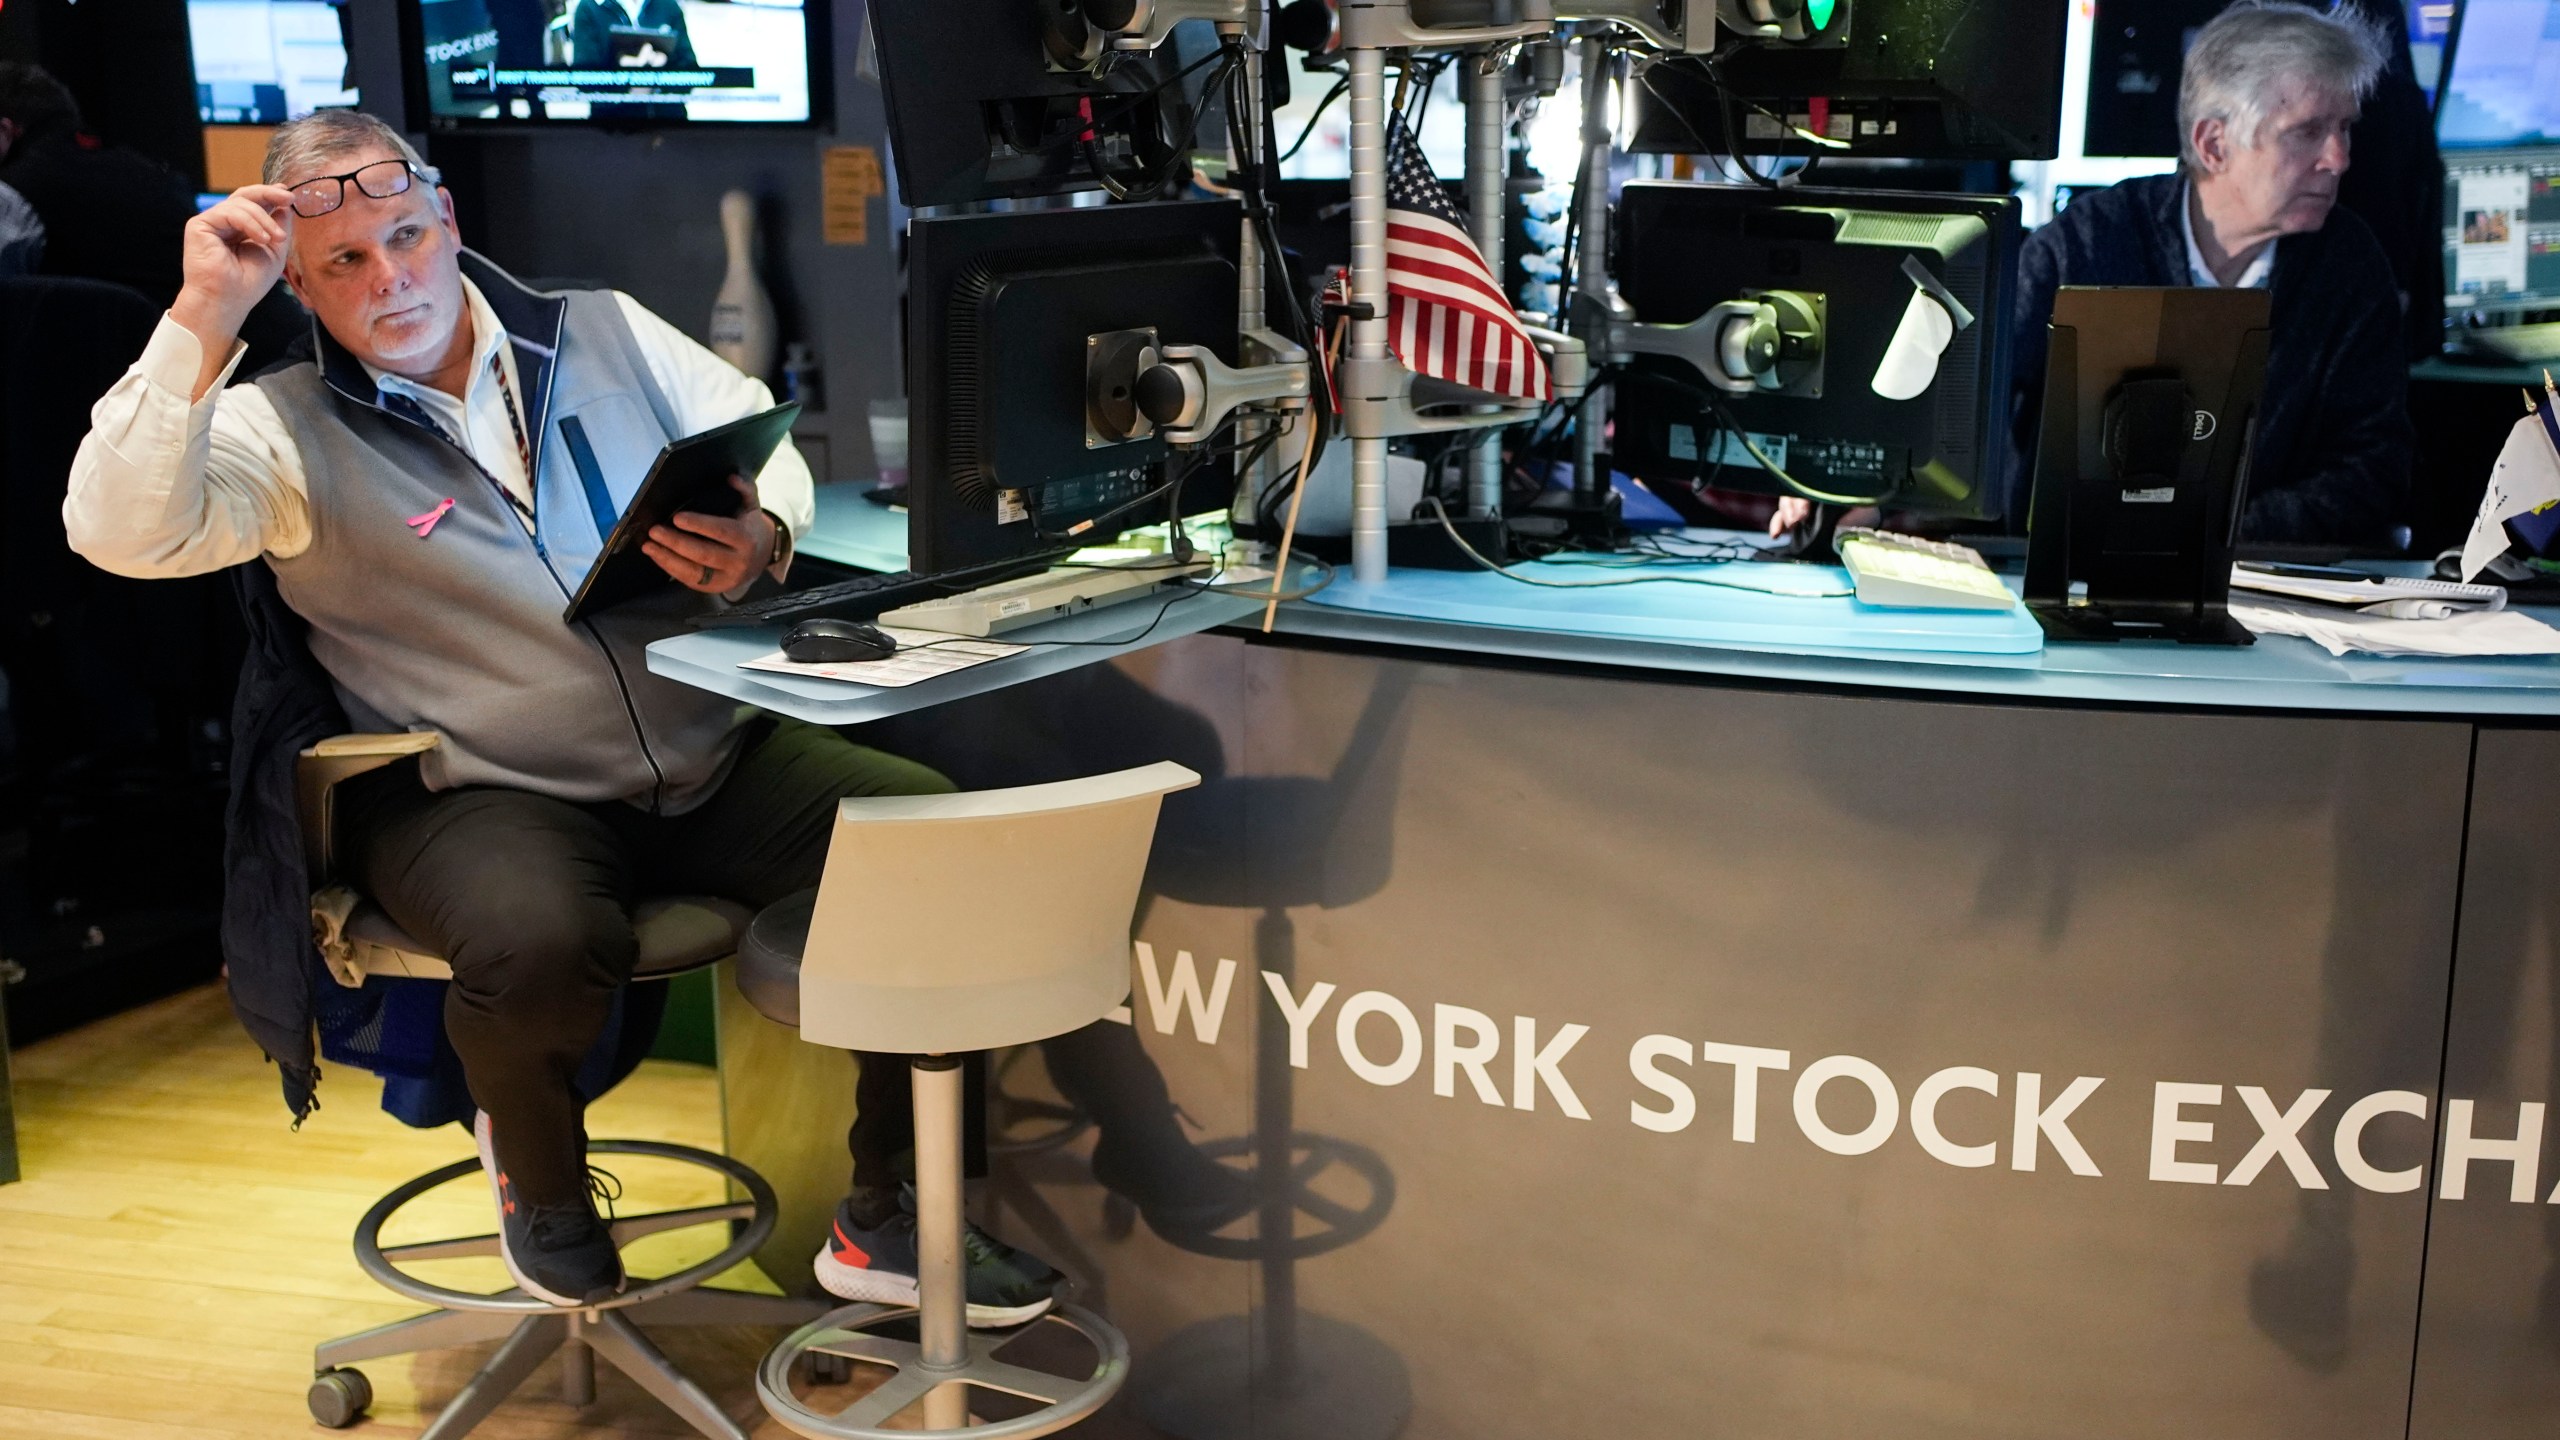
425 524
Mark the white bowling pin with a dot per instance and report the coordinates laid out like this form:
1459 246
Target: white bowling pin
742 328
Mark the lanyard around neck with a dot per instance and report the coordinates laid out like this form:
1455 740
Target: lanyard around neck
524 445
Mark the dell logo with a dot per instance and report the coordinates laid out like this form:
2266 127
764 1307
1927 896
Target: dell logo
2204 425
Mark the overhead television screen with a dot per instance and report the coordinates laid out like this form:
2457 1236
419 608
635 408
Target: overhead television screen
533 62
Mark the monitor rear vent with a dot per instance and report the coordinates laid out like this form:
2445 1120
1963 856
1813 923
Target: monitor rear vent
964 422
1877 227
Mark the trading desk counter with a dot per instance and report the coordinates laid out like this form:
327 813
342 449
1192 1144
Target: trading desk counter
1835 642
1631 1035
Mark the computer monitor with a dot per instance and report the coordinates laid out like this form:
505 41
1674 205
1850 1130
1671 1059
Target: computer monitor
1004 313
526 63
2502 233
976 111
1979 81
2151 401
2502 77
263 62
1683 249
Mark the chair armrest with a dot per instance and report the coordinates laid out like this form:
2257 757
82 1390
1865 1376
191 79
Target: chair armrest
318 772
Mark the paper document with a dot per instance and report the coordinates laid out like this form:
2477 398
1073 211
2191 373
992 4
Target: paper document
2526 478
2340 632
922 655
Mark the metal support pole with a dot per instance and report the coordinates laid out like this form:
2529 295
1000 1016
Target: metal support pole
1251 288
1368 288
942 1330
1486 147
1591 267
577 1367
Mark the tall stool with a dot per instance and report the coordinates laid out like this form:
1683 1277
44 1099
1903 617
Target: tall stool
677 935
942 925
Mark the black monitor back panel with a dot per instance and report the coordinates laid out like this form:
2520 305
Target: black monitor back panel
975 113
1683 248
1000 309
1934 79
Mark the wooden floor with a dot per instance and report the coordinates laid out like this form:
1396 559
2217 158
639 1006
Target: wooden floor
176 1249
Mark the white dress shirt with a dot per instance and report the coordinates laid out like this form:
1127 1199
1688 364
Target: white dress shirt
2253 278
163 487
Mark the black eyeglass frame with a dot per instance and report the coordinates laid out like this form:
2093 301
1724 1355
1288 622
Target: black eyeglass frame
409 173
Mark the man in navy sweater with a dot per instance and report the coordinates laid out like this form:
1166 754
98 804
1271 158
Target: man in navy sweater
2269 92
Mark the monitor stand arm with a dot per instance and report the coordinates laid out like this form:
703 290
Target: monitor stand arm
1770 342
1184 394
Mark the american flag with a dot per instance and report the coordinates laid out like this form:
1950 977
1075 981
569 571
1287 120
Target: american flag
1446 316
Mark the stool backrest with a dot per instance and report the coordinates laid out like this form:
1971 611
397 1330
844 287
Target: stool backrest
952 923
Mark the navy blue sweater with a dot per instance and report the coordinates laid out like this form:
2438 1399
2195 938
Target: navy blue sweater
2334 444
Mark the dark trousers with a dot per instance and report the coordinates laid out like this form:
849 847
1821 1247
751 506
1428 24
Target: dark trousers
529 900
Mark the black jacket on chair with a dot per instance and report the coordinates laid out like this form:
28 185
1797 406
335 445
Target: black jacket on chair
284 705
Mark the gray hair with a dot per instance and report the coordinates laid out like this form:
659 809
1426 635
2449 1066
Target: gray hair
302 148
2242 57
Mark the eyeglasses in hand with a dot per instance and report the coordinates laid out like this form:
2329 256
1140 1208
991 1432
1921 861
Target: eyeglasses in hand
380 180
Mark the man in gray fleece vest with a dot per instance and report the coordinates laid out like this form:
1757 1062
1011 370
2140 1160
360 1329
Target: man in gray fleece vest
410 488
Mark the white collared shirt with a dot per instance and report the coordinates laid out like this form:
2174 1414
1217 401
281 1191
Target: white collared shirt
2253 278
165 487
482 421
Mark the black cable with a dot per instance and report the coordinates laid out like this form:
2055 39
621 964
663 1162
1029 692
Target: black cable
1231 56
1724 417
1339 88
1442 514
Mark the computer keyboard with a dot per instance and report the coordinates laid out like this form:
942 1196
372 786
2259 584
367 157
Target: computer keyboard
1012 604
866 597
1911 573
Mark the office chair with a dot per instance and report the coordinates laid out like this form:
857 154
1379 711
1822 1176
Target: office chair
677 935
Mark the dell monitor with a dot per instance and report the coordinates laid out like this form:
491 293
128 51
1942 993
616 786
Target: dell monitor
1848 262
263 62
1006 315
2151 399
529 63
1914 78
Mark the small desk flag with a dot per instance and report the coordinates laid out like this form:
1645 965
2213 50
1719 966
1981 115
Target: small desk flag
2525 479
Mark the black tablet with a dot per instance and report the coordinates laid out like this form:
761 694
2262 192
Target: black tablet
690 474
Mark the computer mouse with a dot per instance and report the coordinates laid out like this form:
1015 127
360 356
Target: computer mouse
836 642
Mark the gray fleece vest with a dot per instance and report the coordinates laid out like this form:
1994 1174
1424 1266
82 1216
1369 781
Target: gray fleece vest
460 633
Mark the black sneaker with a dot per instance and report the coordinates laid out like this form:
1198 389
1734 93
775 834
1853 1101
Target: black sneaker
559 1253
878 1264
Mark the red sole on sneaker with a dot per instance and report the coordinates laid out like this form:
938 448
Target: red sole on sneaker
880 1287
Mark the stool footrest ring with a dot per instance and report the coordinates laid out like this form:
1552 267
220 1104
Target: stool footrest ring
1064 1399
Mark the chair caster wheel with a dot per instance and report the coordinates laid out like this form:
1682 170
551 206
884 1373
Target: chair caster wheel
829 1369
339 1397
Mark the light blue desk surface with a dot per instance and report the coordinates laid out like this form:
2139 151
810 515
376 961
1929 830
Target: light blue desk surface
2280 672
1713 632
709 659
1792 608
851 530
